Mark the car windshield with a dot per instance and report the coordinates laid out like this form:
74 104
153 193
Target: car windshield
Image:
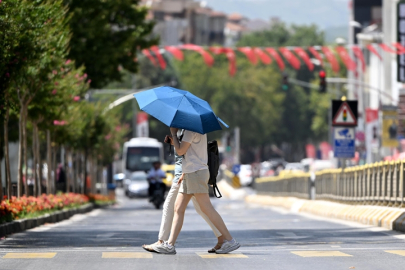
141 158
138 178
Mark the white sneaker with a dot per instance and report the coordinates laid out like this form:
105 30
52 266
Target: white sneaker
228 246
164 248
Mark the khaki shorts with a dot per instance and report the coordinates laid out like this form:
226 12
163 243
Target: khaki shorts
195 182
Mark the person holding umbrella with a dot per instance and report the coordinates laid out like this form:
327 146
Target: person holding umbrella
168 207
181 109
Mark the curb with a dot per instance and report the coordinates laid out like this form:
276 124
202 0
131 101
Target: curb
379 216
26 224
229 192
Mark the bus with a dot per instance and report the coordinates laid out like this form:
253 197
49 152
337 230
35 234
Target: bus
139 154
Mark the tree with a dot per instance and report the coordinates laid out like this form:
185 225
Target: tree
107 34
251 99
298 113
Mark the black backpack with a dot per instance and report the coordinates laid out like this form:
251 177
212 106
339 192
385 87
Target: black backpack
213 166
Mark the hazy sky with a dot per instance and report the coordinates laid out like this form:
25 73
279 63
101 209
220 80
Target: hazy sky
324 13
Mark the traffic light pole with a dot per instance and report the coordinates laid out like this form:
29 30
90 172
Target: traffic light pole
341 81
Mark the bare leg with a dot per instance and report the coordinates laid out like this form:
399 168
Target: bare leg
179 210
207 208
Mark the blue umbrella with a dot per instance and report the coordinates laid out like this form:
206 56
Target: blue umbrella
180 109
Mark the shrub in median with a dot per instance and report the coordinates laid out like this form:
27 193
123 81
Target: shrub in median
27 207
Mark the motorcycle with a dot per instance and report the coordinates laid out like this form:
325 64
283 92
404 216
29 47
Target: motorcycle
157 197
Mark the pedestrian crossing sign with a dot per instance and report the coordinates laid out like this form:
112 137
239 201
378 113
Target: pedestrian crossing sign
343 113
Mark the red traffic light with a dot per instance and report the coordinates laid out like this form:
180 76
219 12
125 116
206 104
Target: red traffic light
322 74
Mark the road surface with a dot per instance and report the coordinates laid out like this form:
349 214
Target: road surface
271 239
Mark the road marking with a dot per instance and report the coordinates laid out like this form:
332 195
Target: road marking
126 255
217 256
397 252
29 255
317 253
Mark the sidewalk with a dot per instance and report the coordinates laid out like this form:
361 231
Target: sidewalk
392 218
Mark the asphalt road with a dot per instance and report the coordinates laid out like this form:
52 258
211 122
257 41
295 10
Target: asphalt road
271 239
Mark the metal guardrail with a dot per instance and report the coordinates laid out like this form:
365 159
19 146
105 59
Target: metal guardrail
292 185
380 183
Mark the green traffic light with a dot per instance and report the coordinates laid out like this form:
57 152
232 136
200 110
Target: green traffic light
285 87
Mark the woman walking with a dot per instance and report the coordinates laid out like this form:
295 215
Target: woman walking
194 184
168 207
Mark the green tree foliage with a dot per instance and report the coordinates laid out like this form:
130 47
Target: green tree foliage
107 34
299 109
251 99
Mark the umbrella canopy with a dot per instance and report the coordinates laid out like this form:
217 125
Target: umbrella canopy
180 109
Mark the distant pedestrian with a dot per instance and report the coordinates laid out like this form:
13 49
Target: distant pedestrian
194 184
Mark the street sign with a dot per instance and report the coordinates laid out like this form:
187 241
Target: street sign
390 126
236 169
344 146
344 113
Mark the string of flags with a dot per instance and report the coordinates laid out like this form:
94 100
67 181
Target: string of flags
294 56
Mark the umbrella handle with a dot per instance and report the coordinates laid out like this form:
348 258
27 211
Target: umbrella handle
222 122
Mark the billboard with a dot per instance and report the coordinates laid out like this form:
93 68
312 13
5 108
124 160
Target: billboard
390 127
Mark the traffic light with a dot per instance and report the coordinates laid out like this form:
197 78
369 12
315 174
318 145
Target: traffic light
285 82
322 81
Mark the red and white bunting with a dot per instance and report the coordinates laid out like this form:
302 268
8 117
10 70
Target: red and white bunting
331 59
230 54
290 57
250 54
263 56
176 52
304 56
316 54
208 59
150 56
359 55
347 60
372 49
256 54
387 48
161 60
276 57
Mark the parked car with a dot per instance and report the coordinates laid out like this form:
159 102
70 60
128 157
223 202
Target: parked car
295 166
319 165
137 185
119 179
245 175
266 169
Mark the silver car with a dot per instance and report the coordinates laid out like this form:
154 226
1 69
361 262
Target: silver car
137 185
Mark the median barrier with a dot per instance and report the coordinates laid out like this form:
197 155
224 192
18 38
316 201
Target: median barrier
371 194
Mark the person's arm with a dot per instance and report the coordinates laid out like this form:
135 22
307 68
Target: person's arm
181 148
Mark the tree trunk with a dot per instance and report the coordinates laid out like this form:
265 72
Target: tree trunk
93 175
74 171
25 150
48 161
55 176
6 155
85 172
1 180
67 170
20 153
38 154
34 158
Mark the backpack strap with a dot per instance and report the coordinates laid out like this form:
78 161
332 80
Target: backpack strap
216 189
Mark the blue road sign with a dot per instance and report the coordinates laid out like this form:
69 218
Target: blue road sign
236 169
344 142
